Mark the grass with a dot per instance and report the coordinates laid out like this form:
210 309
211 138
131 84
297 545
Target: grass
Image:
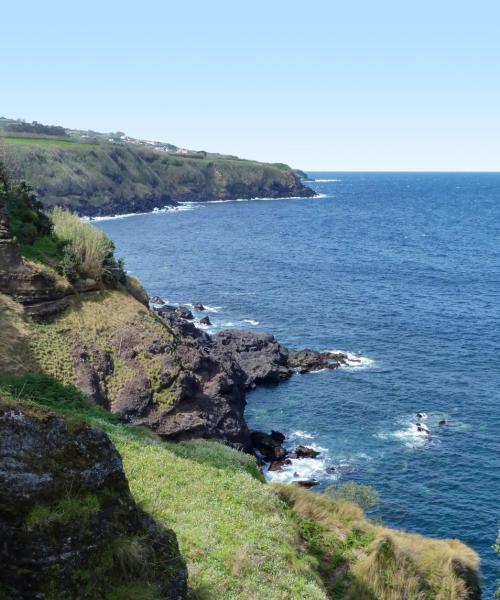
359 560
16 356
234 531
54 142
96 322
243 538
107 178
90 247
72 508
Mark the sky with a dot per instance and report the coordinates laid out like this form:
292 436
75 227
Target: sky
359 85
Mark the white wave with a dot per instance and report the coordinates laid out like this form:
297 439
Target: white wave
301 434
260 199
325 180
355 361
183 206
212 309
301 469
113 217
250 321
320 196
409 434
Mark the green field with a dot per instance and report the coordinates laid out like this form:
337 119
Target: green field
42 141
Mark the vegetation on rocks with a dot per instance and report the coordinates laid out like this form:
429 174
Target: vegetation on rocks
97 177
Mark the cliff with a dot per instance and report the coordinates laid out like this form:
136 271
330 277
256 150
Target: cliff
95 371
102 178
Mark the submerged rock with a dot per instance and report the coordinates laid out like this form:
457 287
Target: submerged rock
66 513
199 307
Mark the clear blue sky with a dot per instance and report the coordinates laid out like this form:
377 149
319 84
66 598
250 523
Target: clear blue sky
320 84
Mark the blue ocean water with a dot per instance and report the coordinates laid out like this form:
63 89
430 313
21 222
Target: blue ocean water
402 270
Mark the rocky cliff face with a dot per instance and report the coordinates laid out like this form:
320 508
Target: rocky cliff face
103 179
69 527
163 372
35 288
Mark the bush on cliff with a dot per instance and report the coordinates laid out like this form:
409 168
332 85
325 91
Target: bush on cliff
88 251
60 239
29 224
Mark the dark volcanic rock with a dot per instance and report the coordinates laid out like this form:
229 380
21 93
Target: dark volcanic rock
64 505
199 307
304 452
260 356
180 312
183 312
278 436
267 446
157 300
311 360
277 465
205 321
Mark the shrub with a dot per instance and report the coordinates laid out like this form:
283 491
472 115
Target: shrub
88 250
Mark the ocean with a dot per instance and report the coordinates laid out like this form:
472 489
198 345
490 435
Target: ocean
400 270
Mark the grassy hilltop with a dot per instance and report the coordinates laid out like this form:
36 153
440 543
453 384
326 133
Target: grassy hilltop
98 174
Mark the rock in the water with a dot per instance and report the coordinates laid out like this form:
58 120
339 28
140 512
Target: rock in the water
180 312
65 505
278 436
157 300
199 307
205 321
277 465
261 357
330 470
310 360
184 313
267 446
304 452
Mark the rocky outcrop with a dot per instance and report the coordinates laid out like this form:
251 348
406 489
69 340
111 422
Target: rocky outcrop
260 356
35 289
69 527
305 361
264 360
40 291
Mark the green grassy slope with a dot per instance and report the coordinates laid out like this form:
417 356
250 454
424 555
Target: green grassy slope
244 539
104 178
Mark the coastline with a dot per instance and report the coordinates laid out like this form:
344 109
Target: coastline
182 206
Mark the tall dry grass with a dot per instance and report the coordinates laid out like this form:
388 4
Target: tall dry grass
389 564
90 247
